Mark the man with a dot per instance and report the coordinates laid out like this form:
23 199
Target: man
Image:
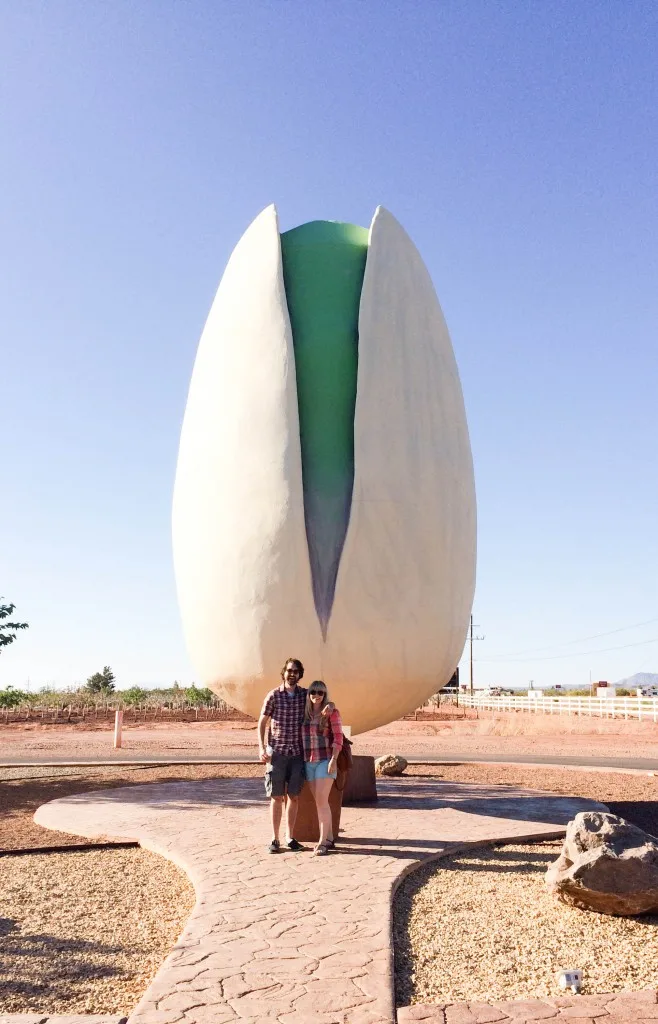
280 744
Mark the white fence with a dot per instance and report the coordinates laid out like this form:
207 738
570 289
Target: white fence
642 708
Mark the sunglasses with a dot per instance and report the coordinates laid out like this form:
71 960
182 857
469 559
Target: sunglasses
316 693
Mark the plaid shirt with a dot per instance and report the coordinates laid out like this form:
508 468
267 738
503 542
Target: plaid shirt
318 745
286 714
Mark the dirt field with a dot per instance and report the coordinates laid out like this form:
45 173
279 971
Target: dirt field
488 735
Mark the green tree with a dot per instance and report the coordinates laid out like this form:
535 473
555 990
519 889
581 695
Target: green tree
8 629
11 698
101 682
196 695
133 695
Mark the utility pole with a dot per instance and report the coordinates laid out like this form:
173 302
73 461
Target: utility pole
472 638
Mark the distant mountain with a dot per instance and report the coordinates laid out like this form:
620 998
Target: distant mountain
641 679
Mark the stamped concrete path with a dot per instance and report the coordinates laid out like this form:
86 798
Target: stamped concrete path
293 938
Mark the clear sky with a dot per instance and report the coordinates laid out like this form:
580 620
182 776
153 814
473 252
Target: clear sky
516 142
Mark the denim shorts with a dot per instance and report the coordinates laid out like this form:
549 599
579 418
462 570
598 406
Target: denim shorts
318 770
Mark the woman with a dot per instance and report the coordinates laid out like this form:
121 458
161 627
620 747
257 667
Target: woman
322 737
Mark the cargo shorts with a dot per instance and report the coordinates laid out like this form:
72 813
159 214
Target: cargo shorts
284 773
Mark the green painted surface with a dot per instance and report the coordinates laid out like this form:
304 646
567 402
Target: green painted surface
323 266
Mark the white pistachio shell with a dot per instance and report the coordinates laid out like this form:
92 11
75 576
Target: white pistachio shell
240 551
407 572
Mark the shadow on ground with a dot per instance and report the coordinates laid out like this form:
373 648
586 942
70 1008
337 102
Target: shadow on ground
73 963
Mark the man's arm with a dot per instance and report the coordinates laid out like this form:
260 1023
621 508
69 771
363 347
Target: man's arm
263 726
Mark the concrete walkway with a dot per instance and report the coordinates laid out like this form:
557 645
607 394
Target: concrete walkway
622 1008
294 938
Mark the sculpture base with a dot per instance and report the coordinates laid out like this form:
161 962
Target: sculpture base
354 787
361 785
307 828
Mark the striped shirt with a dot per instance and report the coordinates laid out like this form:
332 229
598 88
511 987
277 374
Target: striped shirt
286 714
318 745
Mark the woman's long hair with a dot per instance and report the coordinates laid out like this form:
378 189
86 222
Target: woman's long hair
309 707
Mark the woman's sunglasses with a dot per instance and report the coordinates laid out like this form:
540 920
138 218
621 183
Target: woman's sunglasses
316 693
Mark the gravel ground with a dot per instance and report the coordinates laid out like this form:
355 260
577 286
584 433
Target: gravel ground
631 795
85 932
480 927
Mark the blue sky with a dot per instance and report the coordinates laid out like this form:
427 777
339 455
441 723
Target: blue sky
516 142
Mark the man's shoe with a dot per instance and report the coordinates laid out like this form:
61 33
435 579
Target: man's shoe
295 846
274 846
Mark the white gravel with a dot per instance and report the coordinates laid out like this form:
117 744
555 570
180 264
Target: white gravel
84 932
480 926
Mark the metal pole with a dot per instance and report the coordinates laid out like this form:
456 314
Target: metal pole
471 655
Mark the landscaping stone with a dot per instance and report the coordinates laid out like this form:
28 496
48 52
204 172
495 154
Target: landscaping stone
390 764
606 865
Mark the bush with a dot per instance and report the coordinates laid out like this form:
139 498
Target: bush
134 695
11 698
196 695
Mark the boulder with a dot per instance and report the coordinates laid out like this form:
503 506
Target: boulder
390 764
606 865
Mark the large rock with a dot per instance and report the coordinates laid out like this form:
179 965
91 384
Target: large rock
607 865
390 764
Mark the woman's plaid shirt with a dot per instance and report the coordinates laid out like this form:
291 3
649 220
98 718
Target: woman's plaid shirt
318 745
286 714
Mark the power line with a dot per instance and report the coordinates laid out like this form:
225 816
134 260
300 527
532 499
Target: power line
582 640
575 654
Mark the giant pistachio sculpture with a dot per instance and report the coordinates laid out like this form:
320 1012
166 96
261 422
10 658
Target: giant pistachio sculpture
324 504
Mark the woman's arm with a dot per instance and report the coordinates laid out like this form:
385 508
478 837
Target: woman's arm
337 733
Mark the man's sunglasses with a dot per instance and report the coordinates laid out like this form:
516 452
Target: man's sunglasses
316 693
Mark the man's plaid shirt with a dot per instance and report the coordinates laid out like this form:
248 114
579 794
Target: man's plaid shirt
286 714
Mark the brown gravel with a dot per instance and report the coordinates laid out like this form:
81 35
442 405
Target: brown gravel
85 932
480 926
630 795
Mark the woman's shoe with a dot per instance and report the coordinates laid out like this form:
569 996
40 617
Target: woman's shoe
320 850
